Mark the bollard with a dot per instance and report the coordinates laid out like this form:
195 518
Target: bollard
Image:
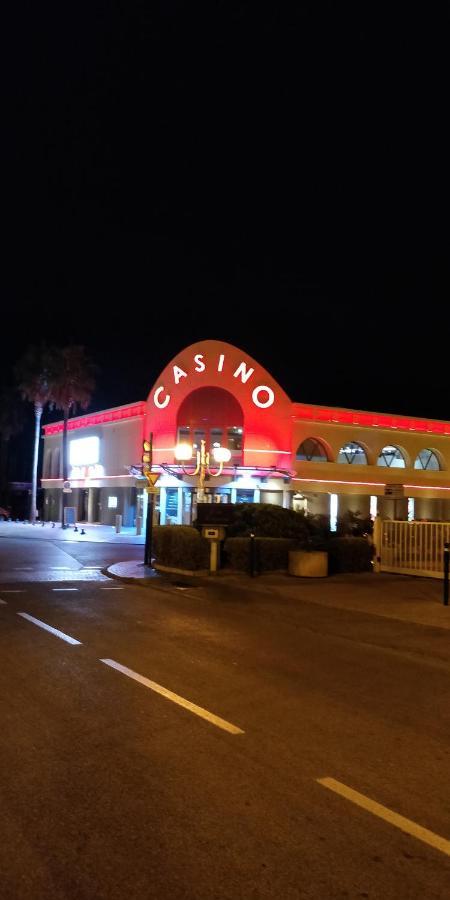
118 524
376 538
446 569
138 524
252 555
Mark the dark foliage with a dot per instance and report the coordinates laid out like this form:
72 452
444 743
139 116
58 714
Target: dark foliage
180 546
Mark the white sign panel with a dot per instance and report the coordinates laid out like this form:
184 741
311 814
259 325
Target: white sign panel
84 451
394 491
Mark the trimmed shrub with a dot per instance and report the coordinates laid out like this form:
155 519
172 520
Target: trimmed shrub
180 546
349 554
267 520
271 553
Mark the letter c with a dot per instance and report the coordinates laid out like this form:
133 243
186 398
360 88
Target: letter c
164 403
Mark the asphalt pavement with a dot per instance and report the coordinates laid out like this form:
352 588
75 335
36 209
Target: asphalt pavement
192 745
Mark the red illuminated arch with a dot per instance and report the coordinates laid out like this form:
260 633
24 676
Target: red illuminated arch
266 408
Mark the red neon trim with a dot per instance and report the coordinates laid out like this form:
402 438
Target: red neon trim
335 481
425 487
133 411
368 420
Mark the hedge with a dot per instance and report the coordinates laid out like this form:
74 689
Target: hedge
180 546
267 520
349 554
270 553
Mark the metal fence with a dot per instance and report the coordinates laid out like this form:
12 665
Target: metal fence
414 548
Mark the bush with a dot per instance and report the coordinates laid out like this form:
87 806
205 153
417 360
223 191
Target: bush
267 520
270 553
349 554
353 524
180 546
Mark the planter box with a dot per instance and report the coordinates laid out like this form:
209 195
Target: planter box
308 565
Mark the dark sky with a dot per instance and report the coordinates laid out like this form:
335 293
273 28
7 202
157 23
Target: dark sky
273 175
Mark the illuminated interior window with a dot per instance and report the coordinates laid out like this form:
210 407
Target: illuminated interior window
235 439
333 511
216 437
352 453
410 509
112 502
199 436
427 459
392 457
312 450
84 451
373 507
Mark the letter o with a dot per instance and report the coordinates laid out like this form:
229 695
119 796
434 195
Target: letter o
263 404
156 398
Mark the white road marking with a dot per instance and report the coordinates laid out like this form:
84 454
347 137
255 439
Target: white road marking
3 602
55 631
192 707
65 589
23 569
60 568
406 825
13 592
112 589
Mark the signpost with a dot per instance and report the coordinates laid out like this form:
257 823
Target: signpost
152 478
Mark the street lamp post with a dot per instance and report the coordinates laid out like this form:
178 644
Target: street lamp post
152 477
221 455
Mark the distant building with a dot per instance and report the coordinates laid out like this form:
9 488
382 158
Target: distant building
316 458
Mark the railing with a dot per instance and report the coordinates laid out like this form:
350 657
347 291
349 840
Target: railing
414 548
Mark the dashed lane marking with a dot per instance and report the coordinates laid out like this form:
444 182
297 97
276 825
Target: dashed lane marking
2 602
112 589
65 589
406 825
175 698
55 631
13 592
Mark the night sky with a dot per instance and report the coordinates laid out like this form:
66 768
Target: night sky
272 175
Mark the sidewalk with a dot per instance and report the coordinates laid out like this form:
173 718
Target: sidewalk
93 533
400 597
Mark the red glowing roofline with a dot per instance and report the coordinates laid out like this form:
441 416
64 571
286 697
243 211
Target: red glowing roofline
116 414
301 411
325 414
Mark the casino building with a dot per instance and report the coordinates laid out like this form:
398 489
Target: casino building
257 445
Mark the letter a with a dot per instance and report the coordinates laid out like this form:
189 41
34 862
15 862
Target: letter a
178 373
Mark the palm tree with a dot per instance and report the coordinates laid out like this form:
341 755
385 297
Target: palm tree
73 385
34 374
11 422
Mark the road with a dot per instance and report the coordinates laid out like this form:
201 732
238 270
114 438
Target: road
179 750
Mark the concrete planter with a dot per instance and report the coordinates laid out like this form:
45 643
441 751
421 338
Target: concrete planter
308 565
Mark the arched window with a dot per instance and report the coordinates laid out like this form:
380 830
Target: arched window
47 473
55 463
311 450
427 459
215 416
391 457
352 453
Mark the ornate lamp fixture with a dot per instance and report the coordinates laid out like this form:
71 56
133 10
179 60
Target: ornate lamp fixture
221 455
